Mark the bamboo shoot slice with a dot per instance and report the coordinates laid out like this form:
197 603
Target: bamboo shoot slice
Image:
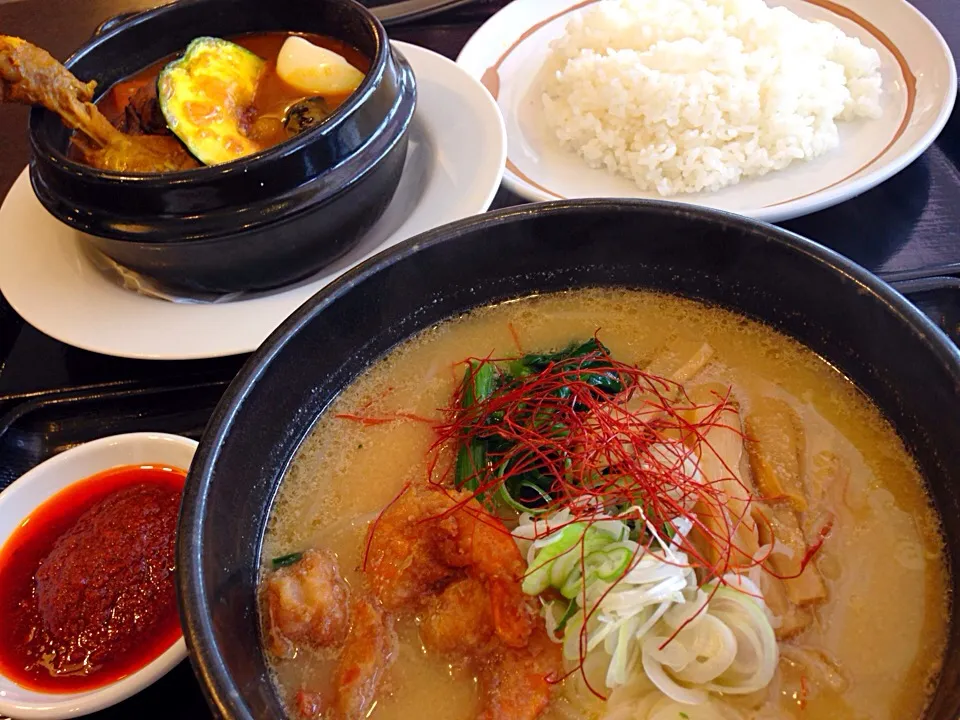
775 444
780 524
720 449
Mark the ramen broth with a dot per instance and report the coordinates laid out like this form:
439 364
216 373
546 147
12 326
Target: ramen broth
885 619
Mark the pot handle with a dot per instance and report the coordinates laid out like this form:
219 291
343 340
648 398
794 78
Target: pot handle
115 21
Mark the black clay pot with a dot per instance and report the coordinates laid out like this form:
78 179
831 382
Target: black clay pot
257 223
840 311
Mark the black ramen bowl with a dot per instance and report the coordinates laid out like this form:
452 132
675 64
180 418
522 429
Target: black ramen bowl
256 223
849 317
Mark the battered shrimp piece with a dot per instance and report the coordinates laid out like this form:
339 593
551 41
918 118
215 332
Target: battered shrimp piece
458 620
309 704
481 542
513 614
370 650
307 602
428 538
403 562
485 548
441 552
515 683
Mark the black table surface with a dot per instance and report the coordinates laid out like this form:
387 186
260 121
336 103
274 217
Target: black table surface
909 225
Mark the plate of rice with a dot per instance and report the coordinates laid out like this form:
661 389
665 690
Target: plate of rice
767 110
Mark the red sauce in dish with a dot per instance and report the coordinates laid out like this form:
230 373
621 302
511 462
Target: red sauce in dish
88 581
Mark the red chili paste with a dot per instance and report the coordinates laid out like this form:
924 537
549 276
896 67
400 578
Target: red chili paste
88 581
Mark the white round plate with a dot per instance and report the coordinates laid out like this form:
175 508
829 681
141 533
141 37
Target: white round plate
453 170
37 486
919 80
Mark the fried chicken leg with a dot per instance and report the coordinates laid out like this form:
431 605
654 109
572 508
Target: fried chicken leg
31 76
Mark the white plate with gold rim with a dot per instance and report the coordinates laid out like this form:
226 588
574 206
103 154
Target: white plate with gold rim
919 80
453 170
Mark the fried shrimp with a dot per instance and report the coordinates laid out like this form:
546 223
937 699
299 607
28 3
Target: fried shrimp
367 654
428 538
440 553
307 602
370 650
458 620
404 563
515 684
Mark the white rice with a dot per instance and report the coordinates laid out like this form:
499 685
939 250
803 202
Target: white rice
694 95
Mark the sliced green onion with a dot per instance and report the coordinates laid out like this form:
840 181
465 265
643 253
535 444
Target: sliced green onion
596 539
557 564
573 585
512 502
285 560
593 540
539 578
613 564
607 565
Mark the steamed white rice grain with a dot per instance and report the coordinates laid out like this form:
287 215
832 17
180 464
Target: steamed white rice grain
694 95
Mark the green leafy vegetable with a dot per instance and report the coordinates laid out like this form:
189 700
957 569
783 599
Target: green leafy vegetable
596 371
479 381
527 473
471 461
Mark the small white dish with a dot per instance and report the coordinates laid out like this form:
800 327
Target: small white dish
34 488
507 54
453 169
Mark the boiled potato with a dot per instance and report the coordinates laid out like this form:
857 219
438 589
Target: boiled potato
316 70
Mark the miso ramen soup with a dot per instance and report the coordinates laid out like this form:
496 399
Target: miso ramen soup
603 504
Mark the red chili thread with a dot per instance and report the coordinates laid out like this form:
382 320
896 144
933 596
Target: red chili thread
515 335
369 421
822 535
376 522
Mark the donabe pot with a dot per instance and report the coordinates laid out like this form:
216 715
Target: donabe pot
836 308
256 223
